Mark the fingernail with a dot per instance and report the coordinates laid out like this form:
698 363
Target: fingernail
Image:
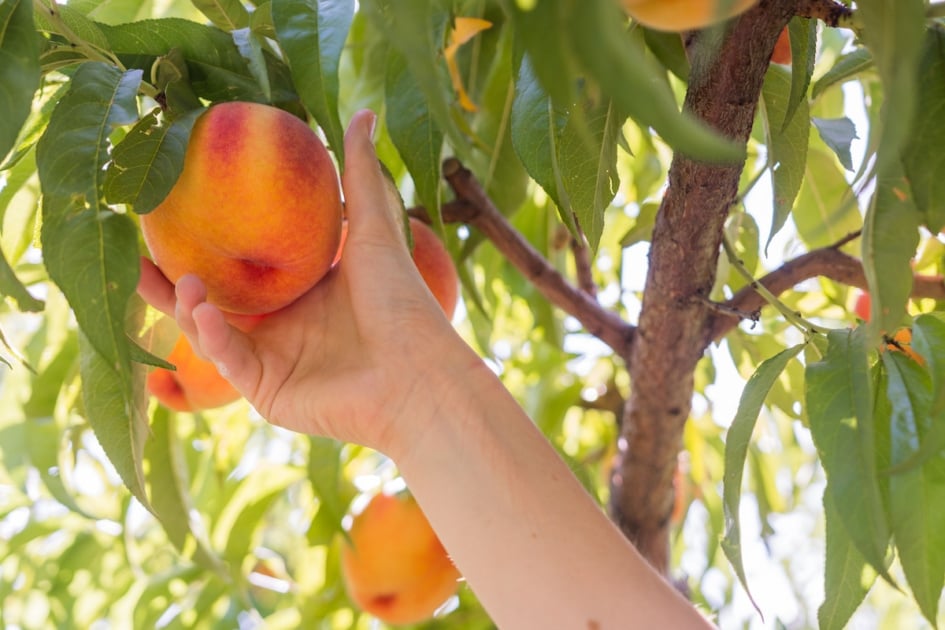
372 123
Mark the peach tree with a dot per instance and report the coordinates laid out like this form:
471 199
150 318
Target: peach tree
660 238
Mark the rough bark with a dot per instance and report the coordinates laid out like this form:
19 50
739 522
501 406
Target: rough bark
723 91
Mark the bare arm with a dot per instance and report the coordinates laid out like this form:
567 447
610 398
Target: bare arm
367 356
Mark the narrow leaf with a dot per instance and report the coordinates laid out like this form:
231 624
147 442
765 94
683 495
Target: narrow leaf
917 498
168 484
413 131
90 252
536 128
839 404
312 35
890 238
250 46
736 451
826 209
846 67
847 578
626 75
145 165
226 14
803 34
838 134
788 134
19 69
114 411
324 473
922 154
11 287
893 30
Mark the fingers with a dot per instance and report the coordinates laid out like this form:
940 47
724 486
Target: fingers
214 339
155 289
367 190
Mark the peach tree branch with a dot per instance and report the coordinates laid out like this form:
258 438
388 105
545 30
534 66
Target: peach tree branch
474 207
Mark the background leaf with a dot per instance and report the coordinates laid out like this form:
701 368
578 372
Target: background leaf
19 69
312 35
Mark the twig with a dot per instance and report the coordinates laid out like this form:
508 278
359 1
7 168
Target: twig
828 262
829 12
582 265
474 207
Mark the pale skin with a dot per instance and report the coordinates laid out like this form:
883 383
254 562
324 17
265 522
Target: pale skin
367 356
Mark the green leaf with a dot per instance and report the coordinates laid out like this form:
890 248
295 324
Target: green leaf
536 129
90 252
145 165
788 134
917 497
11 287
114 407
846 67
825 210
922 155
625 74
838 134
839 402
736 451
803 34
226 14
19 69
416 29
236 527
890 238
894 31
413 131
669 49
74 23
251 47
216 68
847 579
168 485
312 35
325 475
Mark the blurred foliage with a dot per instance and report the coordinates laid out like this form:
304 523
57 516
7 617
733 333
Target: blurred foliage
571 124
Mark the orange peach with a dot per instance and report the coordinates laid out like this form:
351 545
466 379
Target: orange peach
394 566
683 15
862 305
256 212
195 385
782 48
435 266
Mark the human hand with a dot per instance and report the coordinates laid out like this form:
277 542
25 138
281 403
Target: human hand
350 358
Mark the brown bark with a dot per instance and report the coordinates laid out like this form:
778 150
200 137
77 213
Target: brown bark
724 87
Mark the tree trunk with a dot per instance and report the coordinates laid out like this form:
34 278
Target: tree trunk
674 329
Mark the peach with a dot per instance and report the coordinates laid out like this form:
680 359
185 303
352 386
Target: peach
782 48
434 263
683 15
195 385
394 566
256 212
862 305
435 266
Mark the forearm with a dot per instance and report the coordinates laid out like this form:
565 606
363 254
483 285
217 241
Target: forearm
533 545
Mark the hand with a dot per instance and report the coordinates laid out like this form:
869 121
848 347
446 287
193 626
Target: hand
348 357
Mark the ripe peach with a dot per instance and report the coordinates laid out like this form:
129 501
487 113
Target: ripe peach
683 15
862 305
434 263
782 48
435 266
395 567
195 385
256 212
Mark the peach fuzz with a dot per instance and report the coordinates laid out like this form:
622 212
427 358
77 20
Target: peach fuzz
395 567
682 15
256 212
195 385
